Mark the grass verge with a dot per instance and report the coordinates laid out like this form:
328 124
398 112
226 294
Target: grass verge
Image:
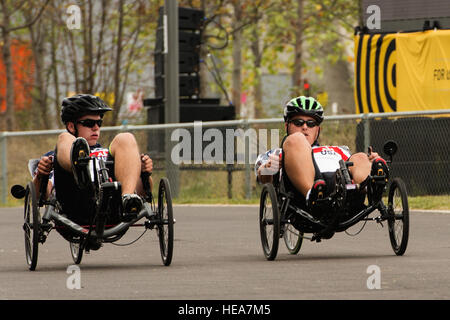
441 202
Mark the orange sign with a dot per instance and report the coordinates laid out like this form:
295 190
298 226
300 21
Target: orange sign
23 71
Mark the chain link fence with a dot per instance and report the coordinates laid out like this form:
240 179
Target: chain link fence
214 161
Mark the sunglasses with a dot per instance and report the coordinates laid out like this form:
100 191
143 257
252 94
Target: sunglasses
301 122
90 123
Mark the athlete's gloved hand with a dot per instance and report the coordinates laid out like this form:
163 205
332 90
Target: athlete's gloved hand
272 166
146 163
372 155
45 166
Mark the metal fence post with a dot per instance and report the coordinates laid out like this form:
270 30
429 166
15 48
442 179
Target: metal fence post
171 86
248 171
230 180
366 125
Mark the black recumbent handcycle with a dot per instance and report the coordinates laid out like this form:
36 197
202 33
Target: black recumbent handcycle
41 215
280 217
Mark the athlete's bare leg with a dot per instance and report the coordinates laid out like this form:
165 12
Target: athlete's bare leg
361 167
127 161
63 147
298 162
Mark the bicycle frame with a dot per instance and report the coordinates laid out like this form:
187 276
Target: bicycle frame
96 231
80 230
335 225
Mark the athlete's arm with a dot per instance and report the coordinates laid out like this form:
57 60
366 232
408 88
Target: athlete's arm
44 168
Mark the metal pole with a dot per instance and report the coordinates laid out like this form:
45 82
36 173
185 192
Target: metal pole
4 177
248 168
366 126
171 85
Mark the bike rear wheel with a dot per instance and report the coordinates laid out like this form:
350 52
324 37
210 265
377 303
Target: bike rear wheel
292 238
165 221
269 222
31 226
398 216
76 250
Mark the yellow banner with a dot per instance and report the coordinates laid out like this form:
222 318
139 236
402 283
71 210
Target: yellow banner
402 71
423 70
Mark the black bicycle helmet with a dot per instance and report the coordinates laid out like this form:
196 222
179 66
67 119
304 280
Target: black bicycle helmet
307 106
79 105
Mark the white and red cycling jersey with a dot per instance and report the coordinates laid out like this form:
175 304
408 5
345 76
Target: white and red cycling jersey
99 152
326 157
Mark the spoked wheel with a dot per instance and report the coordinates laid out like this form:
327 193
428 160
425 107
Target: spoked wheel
398 216
269 221
31 226
76 250
165 221
292 238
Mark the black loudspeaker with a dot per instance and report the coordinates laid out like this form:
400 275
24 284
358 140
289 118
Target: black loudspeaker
187 40
188 63
188 18
190 26
189 85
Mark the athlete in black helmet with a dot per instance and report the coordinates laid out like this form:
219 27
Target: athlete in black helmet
82 114
308 168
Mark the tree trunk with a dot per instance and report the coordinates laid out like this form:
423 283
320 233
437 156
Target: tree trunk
39 95
7 60
117 100
90 51
237 59
54 66
256 111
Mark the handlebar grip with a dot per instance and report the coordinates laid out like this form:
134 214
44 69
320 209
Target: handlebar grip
146 183
345 172
43 189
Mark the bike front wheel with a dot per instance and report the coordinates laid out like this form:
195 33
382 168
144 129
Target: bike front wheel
269 222
165 221
31 226
398 216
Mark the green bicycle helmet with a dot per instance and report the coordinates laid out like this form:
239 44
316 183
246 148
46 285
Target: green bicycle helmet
307 106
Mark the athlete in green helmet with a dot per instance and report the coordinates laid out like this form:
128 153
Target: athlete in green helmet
308 169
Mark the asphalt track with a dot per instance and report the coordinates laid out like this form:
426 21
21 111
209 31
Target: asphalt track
218 255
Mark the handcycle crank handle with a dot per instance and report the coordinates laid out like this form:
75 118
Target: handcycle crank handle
146 184
344 169
43 189
369 150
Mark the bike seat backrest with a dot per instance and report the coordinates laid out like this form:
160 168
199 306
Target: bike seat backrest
32 166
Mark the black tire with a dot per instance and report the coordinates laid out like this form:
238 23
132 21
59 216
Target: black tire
292 238
165 221
269 221
398 216
31 226
76 250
